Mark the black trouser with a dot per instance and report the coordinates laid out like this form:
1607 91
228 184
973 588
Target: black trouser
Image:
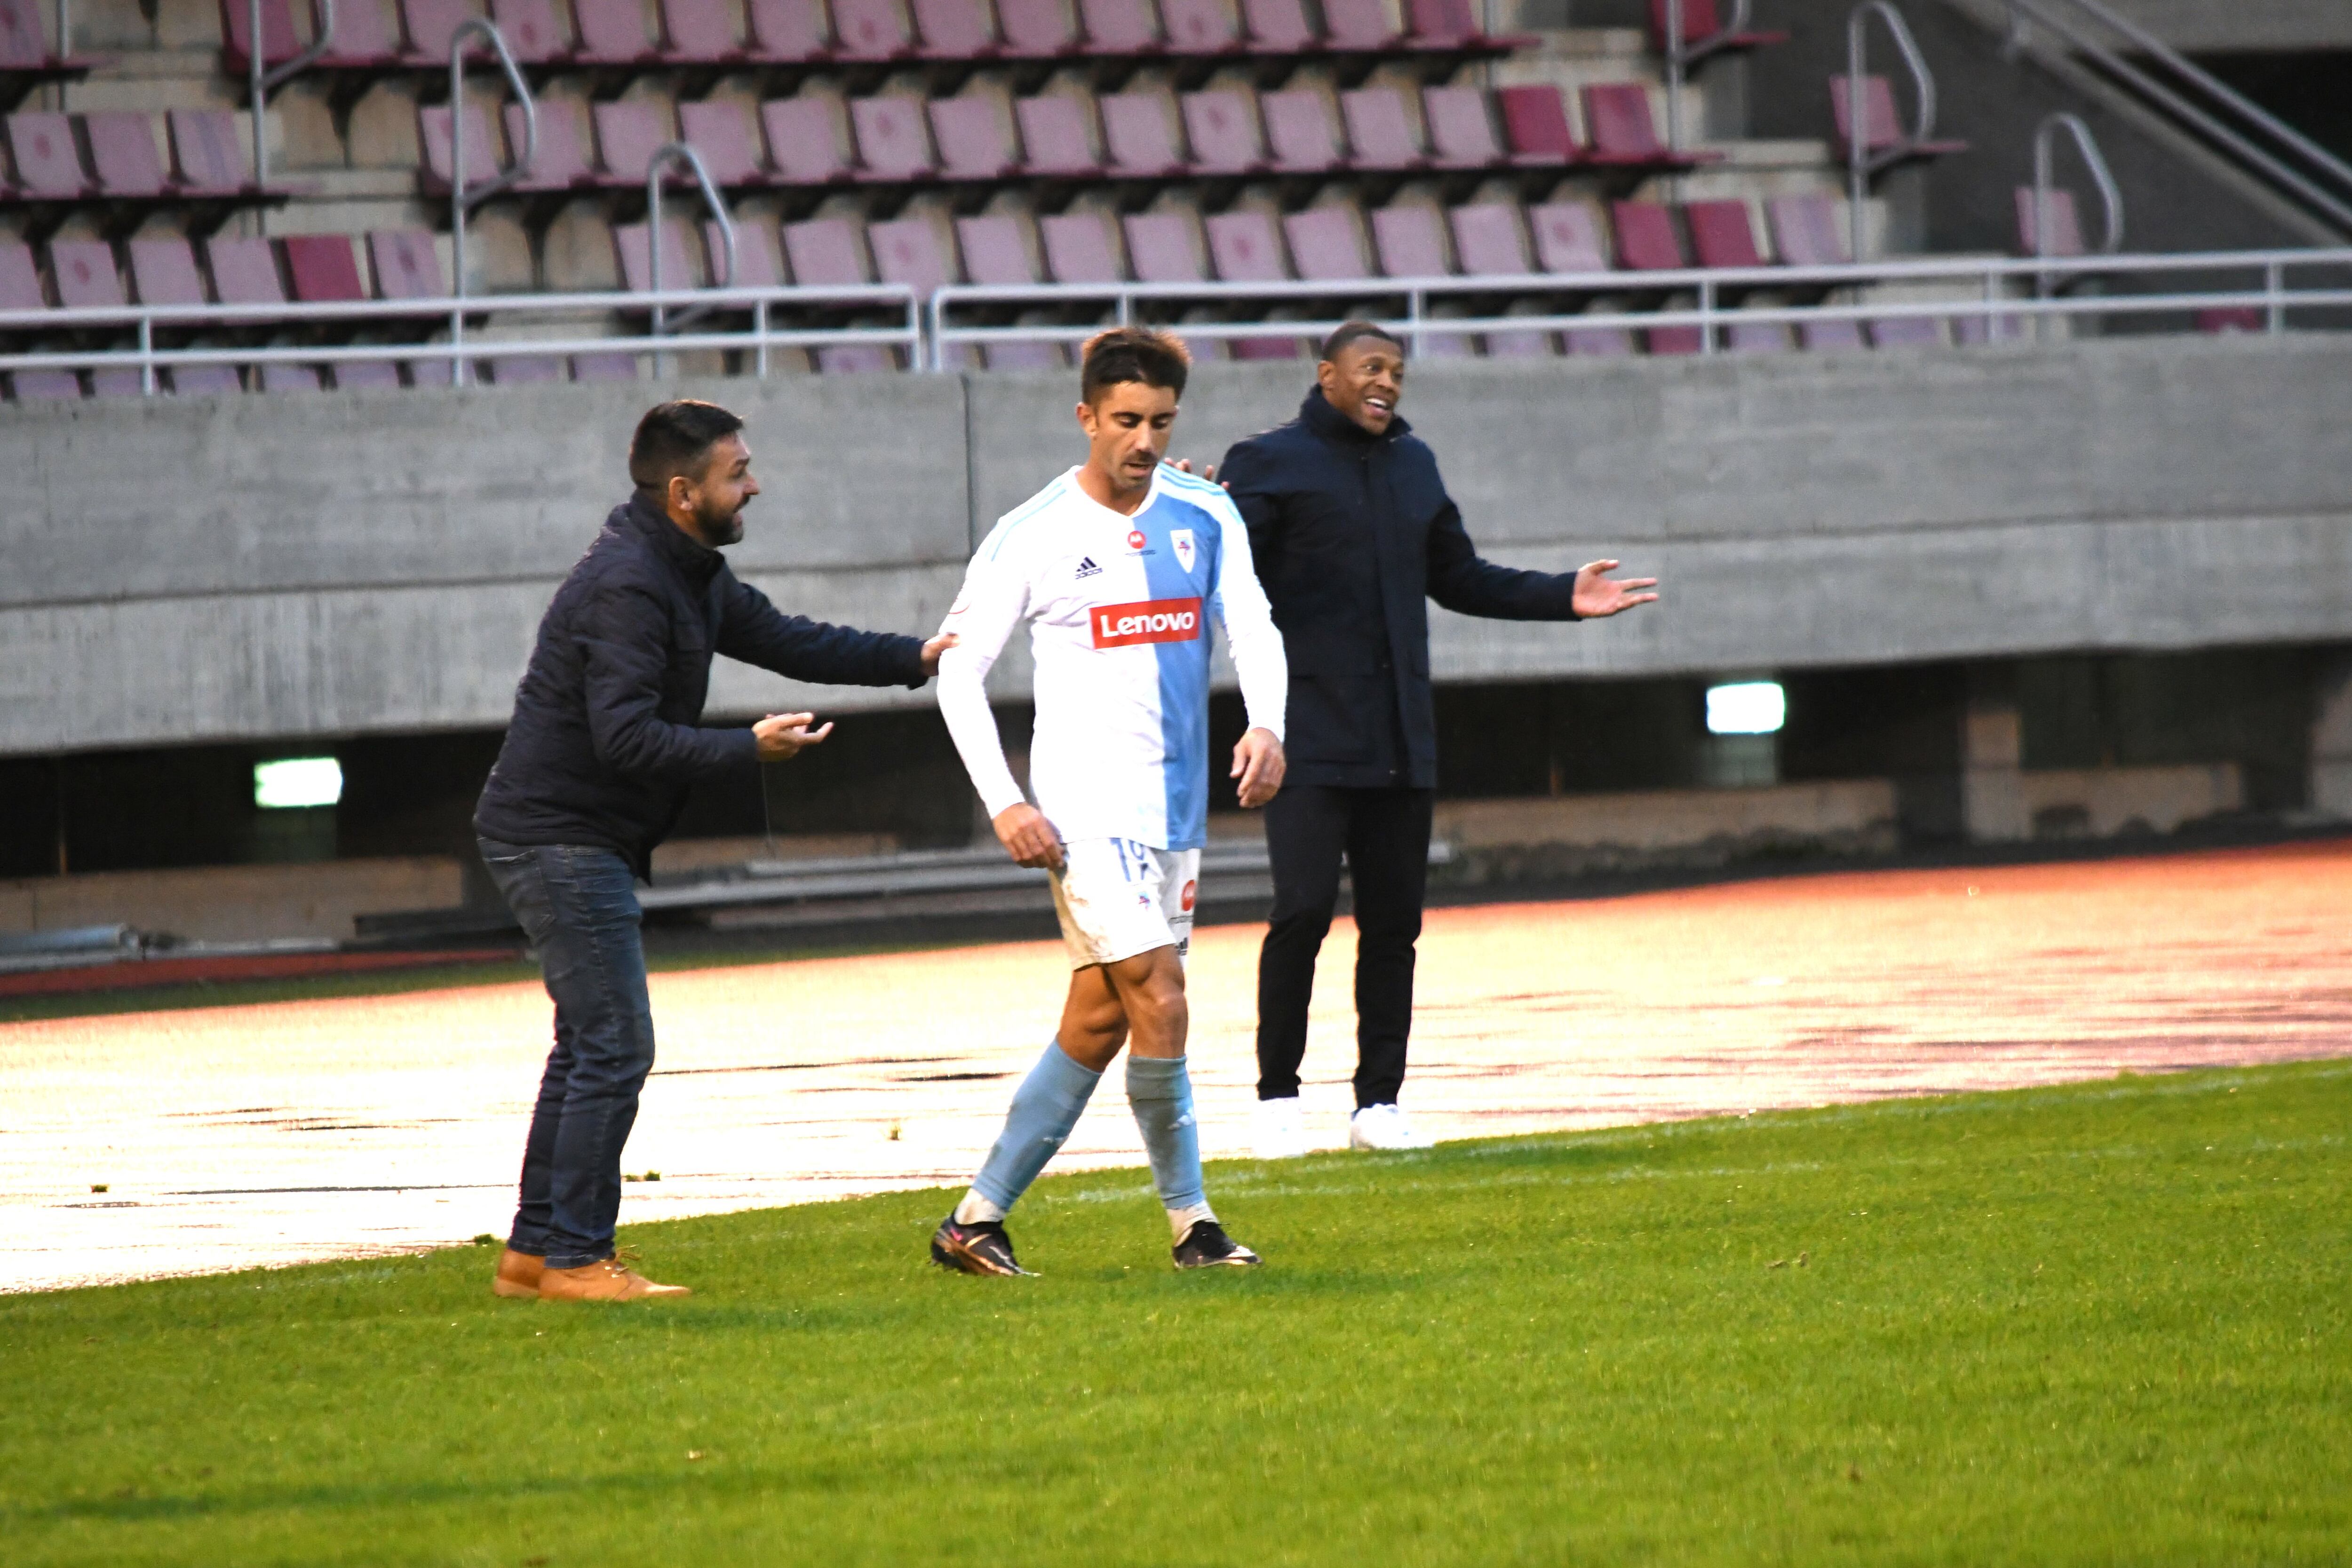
1384 833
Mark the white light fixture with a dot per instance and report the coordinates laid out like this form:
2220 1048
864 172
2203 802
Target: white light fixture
298 782
1746 708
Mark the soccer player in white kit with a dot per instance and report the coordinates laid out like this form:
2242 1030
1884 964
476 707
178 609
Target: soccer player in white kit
1117 566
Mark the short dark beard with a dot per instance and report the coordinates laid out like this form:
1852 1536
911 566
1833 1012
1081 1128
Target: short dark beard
718 531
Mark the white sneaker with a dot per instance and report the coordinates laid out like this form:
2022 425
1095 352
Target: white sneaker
1275 1133
1384 1127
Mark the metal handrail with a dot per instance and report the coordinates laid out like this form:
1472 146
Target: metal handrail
2045 136
674 153
2320 169
1861 163
463 197
260 77
1681 56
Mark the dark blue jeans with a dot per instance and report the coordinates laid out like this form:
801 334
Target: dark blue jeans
579 908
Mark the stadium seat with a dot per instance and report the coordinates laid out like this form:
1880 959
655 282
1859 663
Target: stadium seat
824 252
562 161
1280 26
1379 134
1906 331
1534 124
359 37
629 133
163 271
1165 247
284 378
1053 136
2065 224
995 253
47 162
804 141
699 33
1453 22
1120 27
42 385
1411 240
123 154
723 131
1327 243
323 267
483 154
521 370
1221 129
20 280
1622 133
405 265
758 252
1724 234
619 365
205 381
530 28
1359 26
85 274
974 142
908 250
1078 248
1807 231
1301 131
1647 242
1490 243
611 33
2224 320
1567 238
26 59
428 26
1245 248
893 143
207 154
1461 130
1140 140
681 263
366 374
1037 30
1703 30
955 29
243 272
871 30
1885 136
788 32
1198 27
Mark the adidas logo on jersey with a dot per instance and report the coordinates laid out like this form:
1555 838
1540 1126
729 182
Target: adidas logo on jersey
1086 568
1154 620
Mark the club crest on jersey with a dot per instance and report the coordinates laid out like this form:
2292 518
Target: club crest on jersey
1180 539
1135 540
1152 620
1086 568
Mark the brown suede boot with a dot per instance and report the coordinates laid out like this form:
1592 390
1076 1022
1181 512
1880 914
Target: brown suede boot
605 1282
517 1276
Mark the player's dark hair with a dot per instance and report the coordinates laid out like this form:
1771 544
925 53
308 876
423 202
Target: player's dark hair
1355 331
1132 354
675 438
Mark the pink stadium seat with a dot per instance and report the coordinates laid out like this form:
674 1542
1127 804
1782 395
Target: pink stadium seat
758 254
405 263
892 142
1135 130
1461 133
723 132
20 281
532 29
42 385
1379 134
611 33
85 274
1535 122
699 32
1702 24
1326 243
205 381
610 367
1454 23
1054 139
1359 25
906 250
562 161
123 151
629 133
360 39
1165 247
278 39
1722 235
244 271
2065 224
972 139
823 252
1567 238
1198 27
804 141
482 152
521 370
1882 126
1807 231
1489 240
1078 248
283 378
1121 26
681 258
366 376
1906 331
1617 119
1280 26
790 32
163 271
207 152
1830 337
1298 126
871 30
1036 29
324 268
993 251
115 384
955 29
429 26
48 163
1224 133
1411 241
1245 248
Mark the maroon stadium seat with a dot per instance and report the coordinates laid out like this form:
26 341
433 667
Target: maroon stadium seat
1036 29
723 132
1300 127
1702 24
123 151
48 163
611 33
1121 26
680 257
562 161
1882 127
1535 122
163 271
908 250
278 39
700 32
1646 242
1078 248
1722 235
429 25
1222 130
405 265
1359 25
973 141
207 152
324 268
1245 248
482 153
85 275
1280 26
1165 247
1617 120
1198 27
532 30
2222 321
791 32
871 30
1327 243
244 271
1137 132
955 29
1453 22
1460 132
1054 139
1380 133
1807 231
629 133
804 141
892 141
2065 224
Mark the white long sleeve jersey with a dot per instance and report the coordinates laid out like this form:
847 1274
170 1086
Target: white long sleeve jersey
1119 609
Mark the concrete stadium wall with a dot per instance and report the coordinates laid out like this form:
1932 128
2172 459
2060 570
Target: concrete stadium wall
315 567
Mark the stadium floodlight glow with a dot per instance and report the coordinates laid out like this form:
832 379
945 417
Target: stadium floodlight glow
298 782
1746 708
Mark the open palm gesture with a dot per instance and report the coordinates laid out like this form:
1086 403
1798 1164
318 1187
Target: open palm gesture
1599 594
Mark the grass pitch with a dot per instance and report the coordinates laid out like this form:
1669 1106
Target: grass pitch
2105 1323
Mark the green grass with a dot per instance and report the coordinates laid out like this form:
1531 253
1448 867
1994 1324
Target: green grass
2104 1323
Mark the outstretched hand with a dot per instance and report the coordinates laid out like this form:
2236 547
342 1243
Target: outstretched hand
1258 763
1599 594
783 735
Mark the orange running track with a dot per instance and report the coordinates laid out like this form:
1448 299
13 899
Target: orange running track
235 1136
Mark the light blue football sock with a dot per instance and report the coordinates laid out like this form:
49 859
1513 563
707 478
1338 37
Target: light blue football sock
1159 1092
1046 1107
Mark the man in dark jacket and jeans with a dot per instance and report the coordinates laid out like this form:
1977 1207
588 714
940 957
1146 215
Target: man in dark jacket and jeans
1352 531
605 744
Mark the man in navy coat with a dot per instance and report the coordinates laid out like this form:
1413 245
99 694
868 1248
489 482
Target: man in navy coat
1354 533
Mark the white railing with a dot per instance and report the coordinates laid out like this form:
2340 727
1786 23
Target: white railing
261 78
461 320
1863 161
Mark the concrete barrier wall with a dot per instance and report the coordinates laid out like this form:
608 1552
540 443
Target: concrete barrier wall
251 568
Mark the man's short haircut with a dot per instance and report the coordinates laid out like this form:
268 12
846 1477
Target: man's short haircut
673 438
1353 332
1132 354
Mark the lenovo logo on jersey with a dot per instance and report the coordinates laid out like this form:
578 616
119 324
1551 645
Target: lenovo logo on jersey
1154 620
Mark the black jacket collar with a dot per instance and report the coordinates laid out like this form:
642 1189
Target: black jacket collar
698 561
1318 414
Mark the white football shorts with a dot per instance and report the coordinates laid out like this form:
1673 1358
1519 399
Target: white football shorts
1117 897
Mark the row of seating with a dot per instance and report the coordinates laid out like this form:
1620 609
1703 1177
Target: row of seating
113 155
28 60
1142 137
611 35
